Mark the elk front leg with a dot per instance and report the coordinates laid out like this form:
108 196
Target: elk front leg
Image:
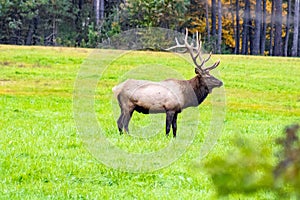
174 124
169 120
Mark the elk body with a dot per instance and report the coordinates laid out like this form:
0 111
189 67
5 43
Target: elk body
170 96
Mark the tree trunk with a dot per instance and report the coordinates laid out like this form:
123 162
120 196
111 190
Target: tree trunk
278 28
101 9
213 18
237 32
52 38
271 30
246 20
30 33
299 40
257 29
287 28
78 22
213 23
36 37
207 21
97 10
219 26
251 36
263 30
296 29
233 22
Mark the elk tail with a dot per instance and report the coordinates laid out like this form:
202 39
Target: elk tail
117 89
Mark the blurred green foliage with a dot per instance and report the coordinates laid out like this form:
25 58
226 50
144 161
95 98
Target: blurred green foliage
287 171
249 166
246 167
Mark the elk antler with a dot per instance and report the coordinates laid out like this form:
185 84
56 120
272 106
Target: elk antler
191 49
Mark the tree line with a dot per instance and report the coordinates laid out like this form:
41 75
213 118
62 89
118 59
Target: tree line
256 27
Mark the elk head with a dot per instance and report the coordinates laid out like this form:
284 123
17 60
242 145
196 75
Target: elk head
195 53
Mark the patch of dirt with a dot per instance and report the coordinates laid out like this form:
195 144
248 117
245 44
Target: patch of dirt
39 65
5 63
4 82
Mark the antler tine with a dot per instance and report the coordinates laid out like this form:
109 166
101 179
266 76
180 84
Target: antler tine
207 59
178 45
198 51
198 48
213 66
194 51
194 57
186 36
191 49
199 43
197 40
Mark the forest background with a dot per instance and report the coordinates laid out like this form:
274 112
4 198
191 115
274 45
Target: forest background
255 27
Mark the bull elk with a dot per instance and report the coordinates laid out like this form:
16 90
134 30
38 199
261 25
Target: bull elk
169 96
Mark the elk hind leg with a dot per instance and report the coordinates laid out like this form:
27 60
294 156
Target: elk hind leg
169 120
126 119
120 123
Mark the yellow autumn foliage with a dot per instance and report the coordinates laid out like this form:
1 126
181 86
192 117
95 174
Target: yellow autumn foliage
197 20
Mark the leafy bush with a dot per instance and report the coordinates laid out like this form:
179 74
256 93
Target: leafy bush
153 13
245 168
251 166
287 172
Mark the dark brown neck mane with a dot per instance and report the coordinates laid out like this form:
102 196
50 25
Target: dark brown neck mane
200 88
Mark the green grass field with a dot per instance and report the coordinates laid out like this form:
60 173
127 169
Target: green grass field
42 156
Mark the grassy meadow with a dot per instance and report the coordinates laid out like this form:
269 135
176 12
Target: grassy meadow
43 157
